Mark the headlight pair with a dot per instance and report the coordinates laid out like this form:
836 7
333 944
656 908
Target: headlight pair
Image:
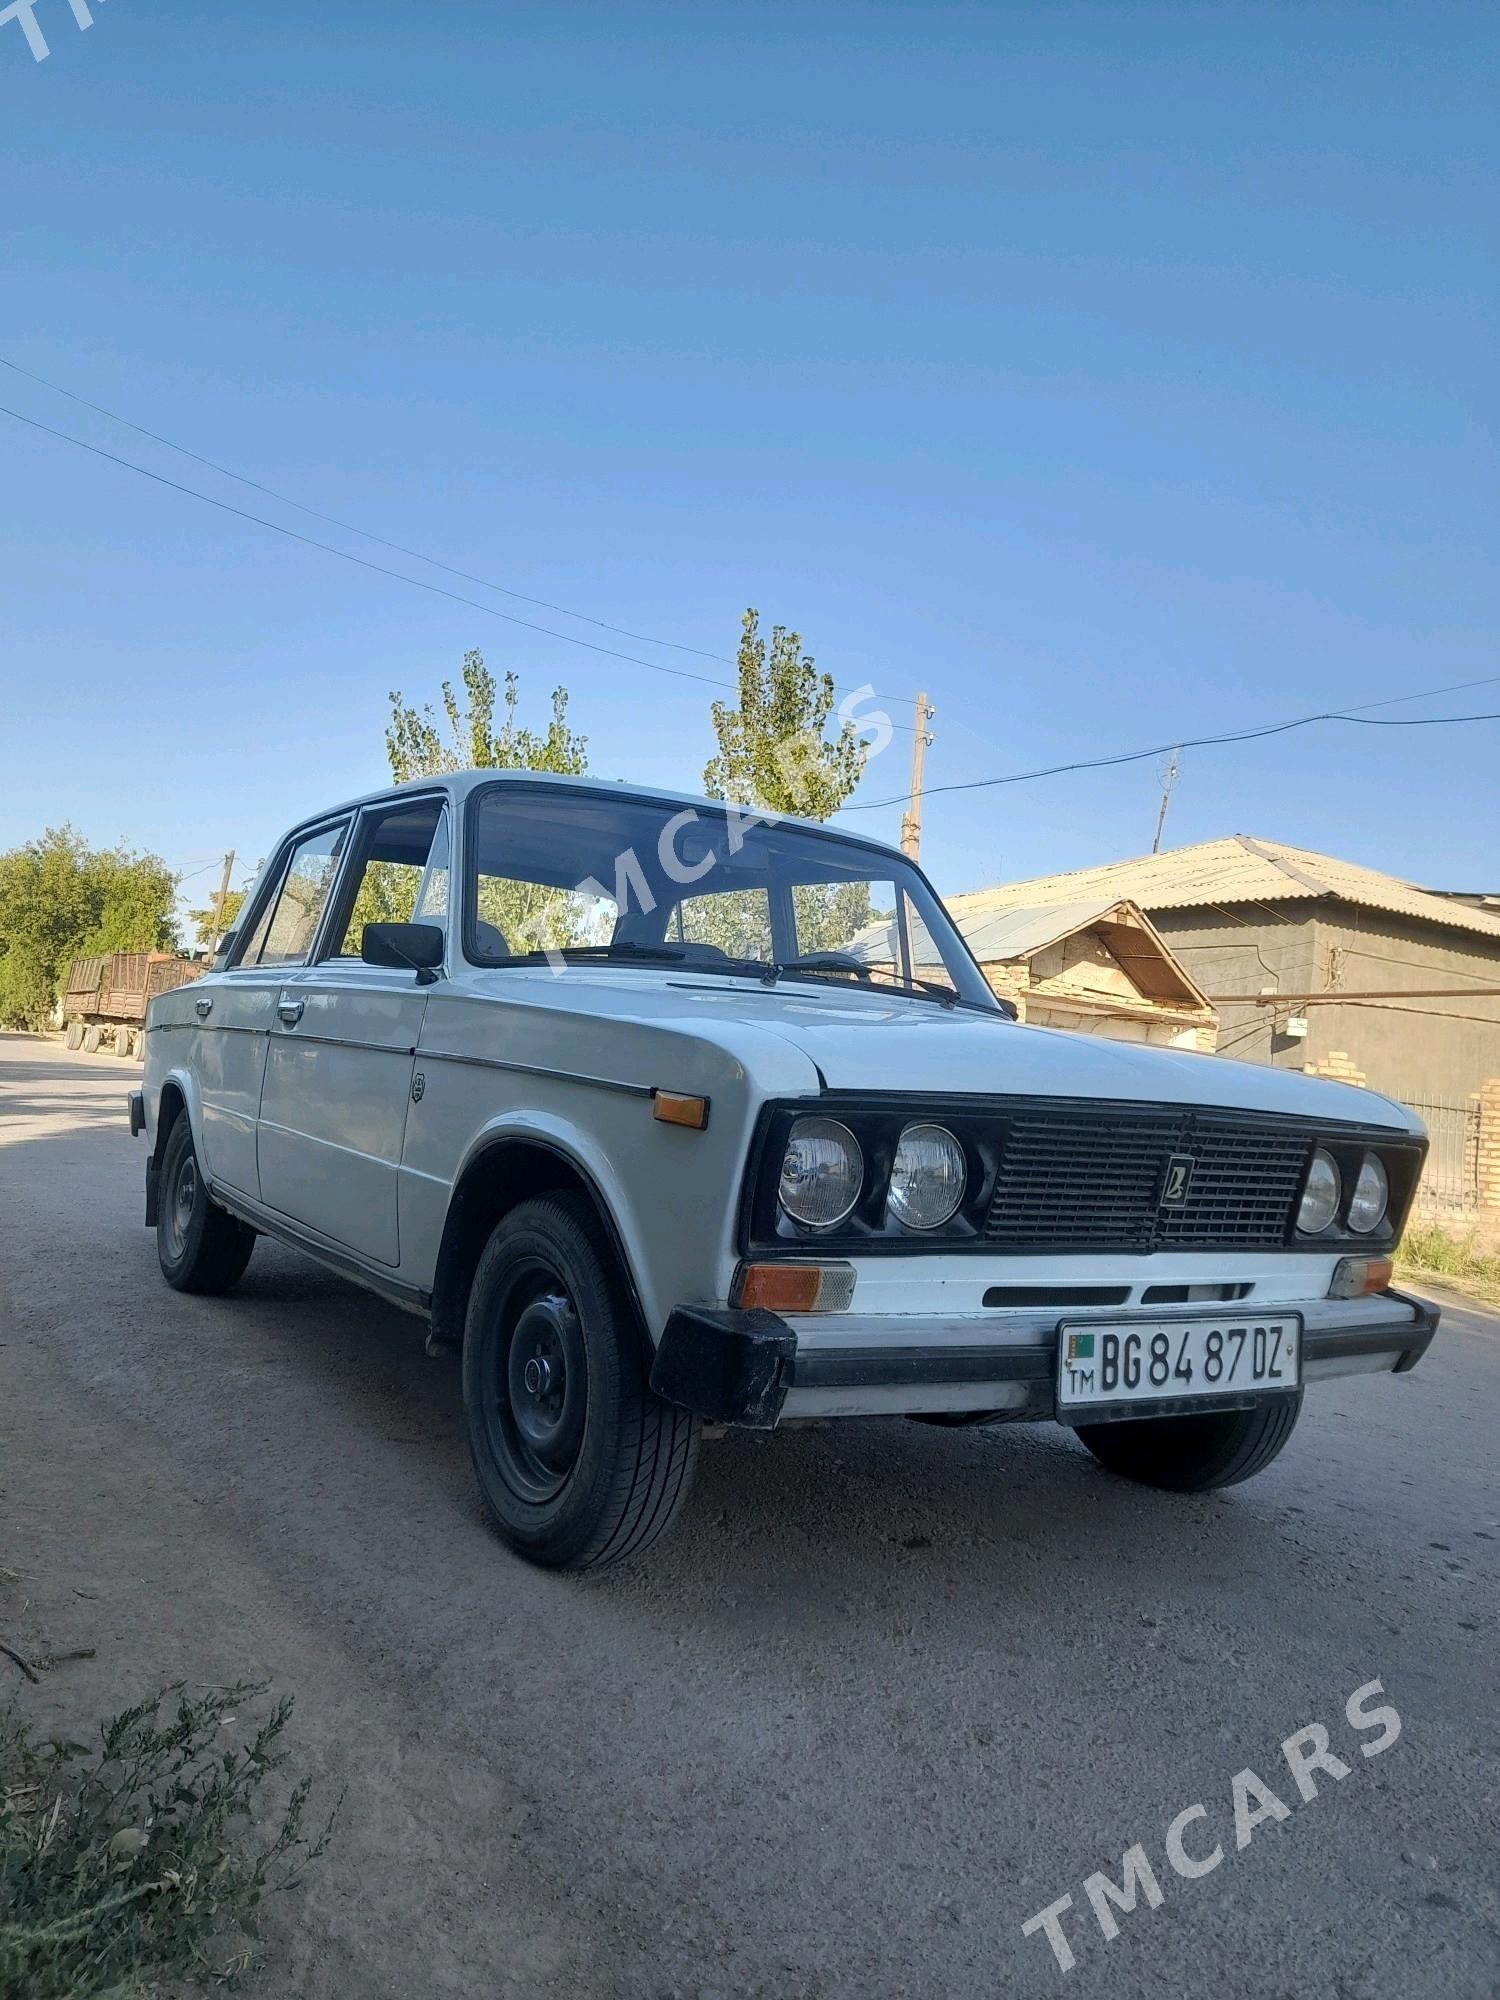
1324 1189
823 1174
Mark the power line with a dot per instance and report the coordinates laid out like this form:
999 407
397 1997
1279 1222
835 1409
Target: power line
349 527
380 569
1353 715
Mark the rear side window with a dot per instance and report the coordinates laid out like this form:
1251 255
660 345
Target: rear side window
284 932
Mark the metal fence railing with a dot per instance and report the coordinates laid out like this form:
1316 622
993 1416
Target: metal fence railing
1450 1179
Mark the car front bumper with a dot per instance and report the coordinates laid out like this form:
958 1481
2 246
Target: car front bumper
754 1368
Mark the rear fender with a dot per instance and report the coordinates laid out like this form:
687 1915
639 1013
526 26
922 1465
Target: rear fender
176 1096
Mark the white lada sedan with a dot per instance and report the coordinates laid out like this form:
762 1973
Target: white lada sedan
673 1114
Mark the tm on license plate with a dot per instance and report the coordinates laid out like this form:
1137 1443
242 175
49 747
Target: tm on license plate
1166 1360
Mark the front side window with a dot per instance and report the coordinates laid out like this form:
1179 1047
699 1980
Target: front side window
403 877
284 932
585 874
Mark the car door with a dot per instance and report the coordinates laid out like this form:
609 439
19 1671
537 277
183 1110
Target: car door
235 1009
342 1045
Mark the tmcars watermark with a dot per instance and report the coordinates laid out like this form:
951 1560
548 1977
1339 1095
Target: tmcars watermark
24 11
1252 1803
797 760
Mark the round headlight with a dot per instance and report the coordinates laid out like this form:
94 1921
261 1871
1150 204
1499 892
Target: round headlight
927 1177
1320 1197
1372 1191
822 1172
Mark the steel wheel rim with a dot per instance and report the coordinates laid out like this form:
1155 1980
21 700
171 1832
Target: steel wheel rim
180 1206
536 1387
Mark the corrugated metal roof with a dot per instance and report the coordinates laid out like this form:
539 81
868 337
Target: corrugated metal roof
1236 870
995 936
1012 933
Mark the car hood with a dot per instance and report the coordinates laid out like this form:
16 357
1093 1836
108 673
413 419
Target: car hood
866 1041
916 1047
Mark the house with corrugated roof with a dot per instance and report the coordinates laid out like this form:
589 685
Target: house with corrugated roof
1096 965
1311 962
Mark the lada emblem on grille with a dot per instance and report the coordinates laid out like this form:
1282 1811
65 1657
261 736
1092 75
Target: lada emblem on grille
1179 1179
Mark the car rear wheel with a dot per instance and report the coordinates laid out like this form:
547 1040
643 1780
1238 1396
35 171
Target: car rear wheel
201 1247
1195 1454
578 1464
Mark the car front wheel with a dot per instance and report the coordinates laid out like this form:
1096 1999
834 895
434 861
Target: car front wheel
1195 1454
578 1464
201 1247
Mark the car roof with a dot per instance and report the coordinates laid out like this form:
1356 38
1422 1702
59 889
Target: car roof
459 784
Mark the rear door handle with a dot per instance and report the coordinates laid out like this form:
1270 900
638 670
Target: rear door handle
290 1011
203 1008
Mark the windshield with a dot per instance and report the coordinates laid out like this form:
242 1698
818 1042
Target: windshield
721 891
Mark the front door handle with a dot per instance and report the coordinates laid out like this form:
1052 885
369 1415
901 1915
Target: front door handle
203 1008
290 1011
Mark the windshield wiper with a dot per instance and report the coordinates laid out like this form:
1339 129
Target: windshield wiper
622 948
833 965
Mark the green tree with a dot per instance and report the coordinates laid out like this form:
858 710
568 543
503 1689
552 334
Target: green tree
415 745
210 925
773 749
60 899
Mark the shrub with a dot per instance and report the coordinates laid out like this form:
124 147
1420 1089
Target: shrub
137 1861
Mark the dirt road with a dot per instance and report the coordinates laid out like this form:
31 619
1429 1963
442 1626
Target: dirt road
886 1693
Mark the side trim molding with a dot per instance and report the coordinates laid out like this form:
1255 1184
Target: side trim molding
538 1069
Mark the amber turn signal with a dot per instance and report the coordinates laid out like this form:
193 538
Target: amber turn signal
1358 1277
672 1108
796 1288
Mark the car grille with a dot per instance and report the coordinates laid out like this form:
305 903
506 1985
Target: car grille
1082 1180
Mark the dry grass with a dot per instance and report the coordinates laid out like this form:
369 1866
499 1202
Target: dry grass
1429 1252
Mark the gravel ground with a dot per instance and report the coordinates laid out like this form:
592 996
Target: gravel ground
884 1694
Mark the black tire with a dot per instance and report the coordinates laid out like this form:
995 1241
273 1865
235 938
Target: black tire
578 1464
73 1039
201 1247
91 1040
1195 1454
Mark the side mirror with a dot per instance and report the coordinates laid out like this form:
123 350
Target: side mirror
416 947
226 946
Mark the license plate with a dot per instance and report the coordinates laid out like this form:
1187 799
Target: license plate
1167 1361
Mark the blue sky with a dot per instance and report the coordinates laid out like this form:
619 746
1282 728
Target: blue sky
1115 373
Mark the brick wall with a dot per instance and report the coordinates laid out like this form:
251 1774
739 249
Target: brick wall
1489 1147
1010 982
1339 1065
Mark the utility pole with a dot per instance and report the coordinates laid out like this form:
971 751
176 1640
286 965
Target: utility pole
219 902
911 819
1166 793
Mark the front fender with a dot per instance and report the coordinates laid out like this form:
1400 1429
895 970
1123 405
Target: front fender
597 1161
